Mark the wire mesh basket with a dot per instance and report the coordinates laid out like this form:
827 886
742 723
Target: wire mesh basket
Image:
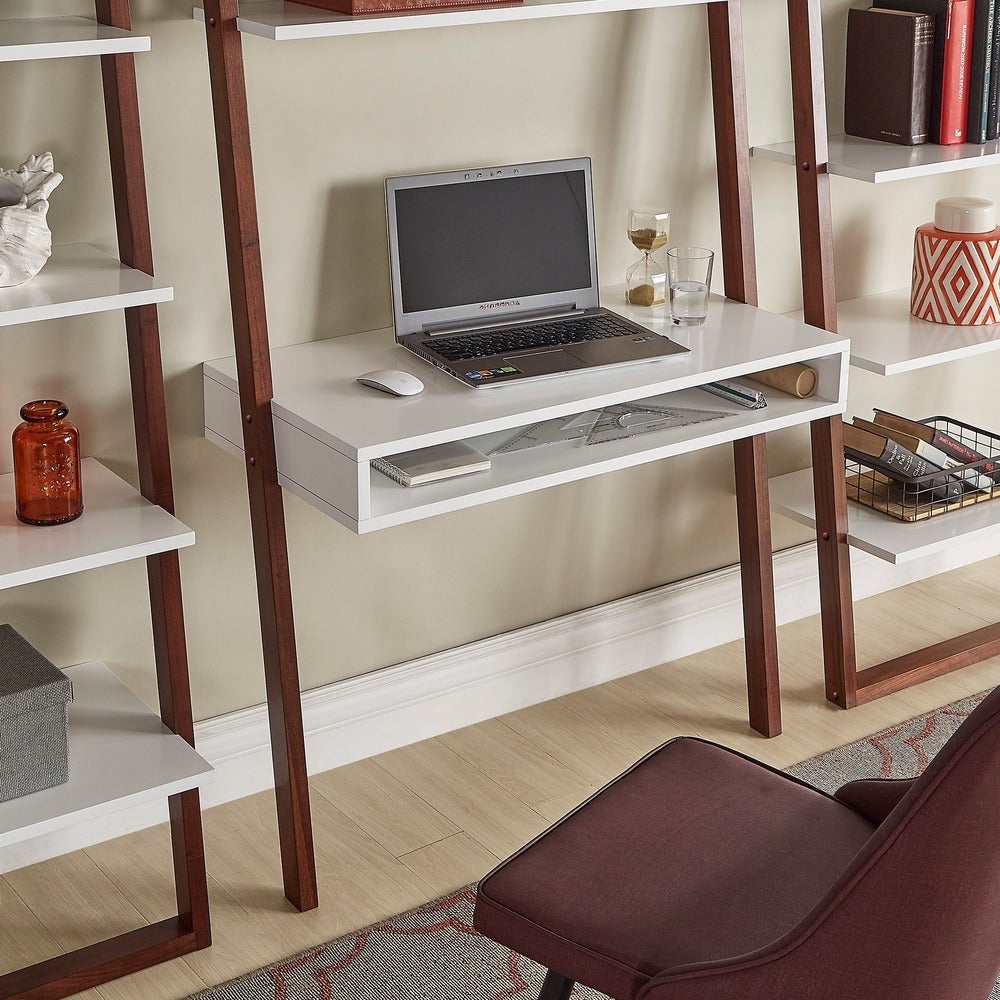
920 497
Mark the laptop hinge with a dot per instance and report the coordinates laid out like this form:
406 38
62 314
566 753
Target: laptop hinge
493 322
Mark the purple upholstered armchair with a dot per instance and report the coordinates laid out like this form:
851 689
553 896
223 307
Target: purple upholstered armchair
700 874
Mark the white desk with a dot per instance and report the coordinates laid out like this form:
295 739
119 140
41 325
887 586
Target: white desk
328 428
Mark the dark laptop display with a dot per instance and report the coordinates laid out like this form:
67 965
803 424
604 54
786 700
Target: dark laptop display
494 274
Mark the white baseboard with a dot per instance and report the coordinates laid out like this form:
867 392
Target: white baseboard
389 708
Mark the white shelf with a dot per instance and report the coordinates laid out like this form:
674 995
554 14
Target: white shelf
62 37
117 524
328 428
887 340
79 279
884 536
120 755
877 162
282 22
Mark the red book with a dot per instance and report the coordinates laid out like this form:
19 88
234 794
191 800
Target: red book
957 67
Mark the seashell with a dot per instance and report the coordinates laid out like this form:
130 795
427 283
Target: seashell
25 237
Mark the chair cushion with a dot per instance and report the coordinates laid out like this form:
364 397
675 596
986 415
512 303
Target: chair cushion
696 853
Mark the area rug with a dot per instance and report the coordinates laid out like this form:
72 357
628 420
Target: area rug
433 953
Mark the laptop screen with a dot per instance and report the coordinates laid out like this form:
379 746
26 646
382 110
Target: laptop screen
482 243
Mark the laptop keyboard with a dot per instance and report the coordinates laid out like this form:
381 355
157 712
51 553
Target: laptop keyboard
519 338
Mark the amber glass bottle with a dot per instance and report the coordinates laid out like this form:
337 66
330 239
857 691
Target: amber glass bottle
47 484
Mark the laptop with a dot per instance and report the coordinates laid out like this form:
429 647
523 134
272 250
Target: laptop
494 275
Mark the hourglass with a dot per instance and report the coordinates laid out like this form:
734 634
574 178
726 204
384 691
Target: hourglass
646 280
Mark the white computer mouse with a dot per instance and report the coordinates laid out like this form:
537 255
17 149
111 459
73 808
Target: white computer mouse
397 383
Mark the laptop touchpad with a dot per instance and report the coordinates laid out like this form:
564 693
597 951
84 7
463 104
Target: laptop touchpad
545 362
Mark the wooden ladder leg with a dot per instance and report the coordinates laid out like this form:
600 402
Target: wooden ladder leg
757 574
267 516
732 150
834 553
153 451
819 298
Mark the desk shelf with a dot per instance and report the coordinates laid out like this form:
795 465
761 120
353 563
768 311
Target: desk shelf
121 755
878 162
283 22
79 279
117 525
22 39
328 428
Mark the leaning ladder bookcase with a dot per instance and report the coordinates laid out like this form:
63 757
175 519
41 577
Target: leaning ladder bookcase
886 341
119 523
276 20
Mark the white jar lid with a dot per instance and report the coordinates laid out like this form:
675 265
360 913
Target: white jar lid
965 215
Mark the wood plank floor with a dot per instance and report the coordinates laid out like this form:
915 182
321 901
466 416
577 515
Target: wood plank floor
399 829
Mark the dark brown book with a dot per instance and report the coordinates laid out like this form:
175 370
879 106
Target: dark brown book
887 90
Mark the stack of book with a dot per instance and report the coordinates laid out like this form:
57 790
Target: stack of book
923 71
908 467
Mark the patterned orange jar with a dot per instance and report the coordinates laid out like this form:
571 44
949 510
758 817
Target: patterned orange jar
47 485
956 264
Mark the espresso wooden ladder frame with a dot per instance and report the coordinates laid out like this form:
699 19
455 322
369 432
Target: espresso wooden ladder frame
846 686
190 929
226 68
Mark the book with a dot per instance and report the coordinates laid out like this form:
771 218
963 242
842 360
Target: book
927 449
993 109
941 10
980 70
894 104
959 453
431 465
882 453
955 79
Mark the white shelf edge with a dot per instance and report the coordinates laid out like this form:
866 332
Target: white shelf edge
886 340
883 536
882 162
115 744
78 280
282 22
117 525
25 39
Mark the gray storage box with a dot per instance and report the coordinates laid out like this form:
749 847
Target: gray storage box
34 725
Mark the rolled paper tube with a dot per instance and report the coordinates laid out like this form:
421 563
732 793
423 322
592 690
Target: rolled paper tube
796 380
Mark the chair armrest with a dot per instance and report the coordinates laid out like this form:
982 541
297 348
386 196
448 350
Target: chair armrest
874 798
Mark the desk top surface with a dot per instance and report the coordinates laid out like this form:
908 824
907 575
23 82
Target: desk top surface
315 388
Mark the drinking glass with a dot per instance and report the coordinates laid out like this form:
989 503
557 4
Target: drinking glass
690 276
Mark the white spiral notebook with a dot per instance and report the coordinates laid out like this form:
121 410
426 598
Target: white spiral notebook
431 465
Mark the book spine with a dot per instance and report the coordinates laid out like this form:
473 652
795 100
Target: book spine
944 461
955 74
979 72
993 111
965 455
923 69
897 459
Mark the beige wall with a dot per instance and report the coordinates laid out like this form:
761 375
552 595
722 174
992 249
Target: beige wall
330 120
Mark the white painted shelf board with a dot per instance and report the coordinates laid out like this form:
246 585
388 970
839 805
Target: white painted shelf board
61 37
887 340
315 388
117 524
79 279
877 162
550 465
282 22
120 755
884 536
